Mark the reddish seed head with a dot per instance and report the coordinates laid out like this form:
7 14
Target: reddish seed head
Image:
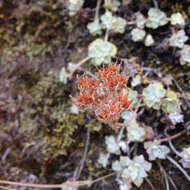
104 95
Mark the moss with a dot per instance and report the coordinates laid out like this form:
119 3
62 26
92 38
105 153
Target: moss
179 7
38 28
46 120
60 138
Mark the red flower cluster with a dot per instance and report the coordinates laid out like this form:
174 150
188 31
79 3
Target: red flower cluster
107 96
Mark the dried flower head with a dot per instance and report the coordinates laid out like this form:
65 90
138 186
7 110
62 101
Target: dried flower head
106 95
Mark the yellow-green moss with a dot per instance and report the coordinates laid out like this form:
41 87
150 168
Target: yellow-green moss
60 138
36 28
178 7
48 118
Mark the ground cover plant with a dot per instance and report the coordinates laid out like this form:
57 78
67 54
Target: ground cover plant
95 94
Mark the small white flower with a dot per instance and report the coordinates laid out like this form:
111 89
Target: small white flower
155 150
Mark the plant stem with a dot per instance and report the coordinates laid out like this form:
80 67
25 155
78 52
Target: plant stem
172 137
150 184
97 10
120 134
53 186
179 167
133 116
104 177
78 65
172 182
105 3
106 35
155 4
85 153
6 188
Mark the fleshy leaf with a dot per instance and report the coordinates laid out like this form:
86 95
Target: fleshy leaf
103 159
126 115
156 18
74 6
133 95
63 75
123 161
185 55
153 94
155 150
175 117
140 20
101 51
125 186
136 80
116 166
169 103
149 41
136 133
185 154
107 20
94 27
177 20
113 5
178 39
138 34
111 145
74 109
110 22
136 170
118 25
